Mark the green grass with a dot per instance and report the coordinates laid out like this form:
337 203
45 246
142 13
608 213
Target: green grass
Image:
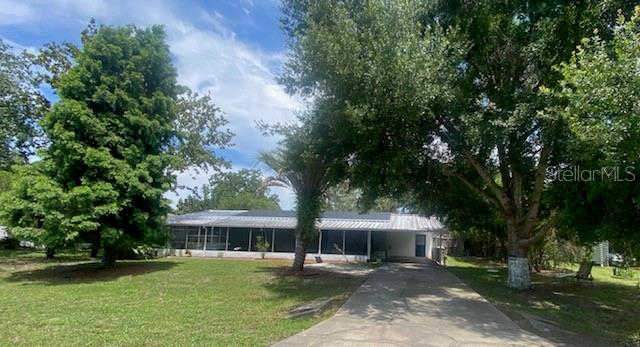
609 310
170 301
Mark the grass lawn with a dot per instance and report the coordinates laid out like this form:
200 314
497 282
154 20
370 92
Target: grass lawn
608 312
170 301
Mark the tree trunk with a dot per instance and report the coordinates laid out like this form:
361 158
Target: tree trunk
300 255
308 211
518 262
50 252
95 249
109 256
95 246
519 273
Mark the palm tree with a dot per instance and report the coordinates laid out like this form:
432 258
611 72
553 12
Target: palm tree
300 165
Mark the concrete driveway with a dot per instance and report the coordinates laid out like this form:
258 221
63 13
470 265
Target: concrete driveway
415 305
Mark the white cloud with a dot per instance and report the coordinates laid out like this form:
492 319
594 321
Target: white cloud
14 13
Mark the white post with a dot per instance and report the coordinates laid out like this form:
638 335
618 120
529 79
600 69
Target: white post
250 232
204 246
344 241
226 243
198 244
319 241
369 244
273 240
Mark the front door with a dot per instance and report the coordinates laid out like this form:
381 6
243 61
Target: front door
421 241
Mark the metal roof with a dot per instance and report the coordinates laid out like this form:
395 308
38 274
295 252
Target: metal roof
328 221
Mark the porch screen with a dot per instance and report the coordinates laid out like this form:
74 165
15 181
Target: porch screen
239 239
356 242
285 240
267 234
216 238
332 242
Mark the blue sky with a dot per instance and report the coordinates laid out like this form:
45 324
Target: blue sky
233 49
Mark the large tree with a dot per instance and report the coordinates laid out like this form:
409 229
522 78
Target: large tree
598 192
241 190
22 105
446 94
117 134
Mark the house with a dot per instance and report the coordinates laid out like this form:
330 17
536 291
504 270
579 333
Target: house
343 235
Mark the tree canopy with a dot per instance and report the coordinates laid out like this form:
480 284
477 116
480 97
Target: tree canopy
241 190
445 99
341 197
22 105
600 103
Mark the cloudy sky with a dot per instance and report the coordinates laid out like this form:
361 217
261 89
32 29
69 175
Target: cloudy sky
234 49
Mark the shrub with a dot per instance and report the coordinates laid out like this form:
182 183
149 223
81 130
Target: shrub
623 272
9 243
262 245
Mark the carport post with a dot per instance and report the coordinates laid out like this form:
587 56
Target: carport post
344 241
319 241
250 232
369 244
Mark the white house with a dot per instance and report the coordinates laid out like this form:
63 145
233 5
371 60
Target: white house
342 236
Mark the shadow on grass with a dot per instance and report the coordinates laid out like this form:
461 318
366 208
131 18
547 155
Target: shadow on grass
310 284
17 257
87 272
602 314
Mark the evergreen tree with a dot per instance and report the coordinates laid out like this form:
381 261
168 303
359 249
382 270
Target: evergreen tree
116 136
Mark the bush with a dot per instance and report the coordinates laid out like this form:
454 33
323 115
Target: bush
262 245
551 252
141 252
623 272
9 243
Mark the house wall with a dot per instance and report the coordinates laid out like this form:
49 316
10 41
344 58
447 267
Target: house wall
403 244
311 257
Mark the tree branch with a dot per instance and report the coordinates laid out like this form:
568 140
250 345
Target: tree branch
540 234
490 199
536 194
504 168
486 177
